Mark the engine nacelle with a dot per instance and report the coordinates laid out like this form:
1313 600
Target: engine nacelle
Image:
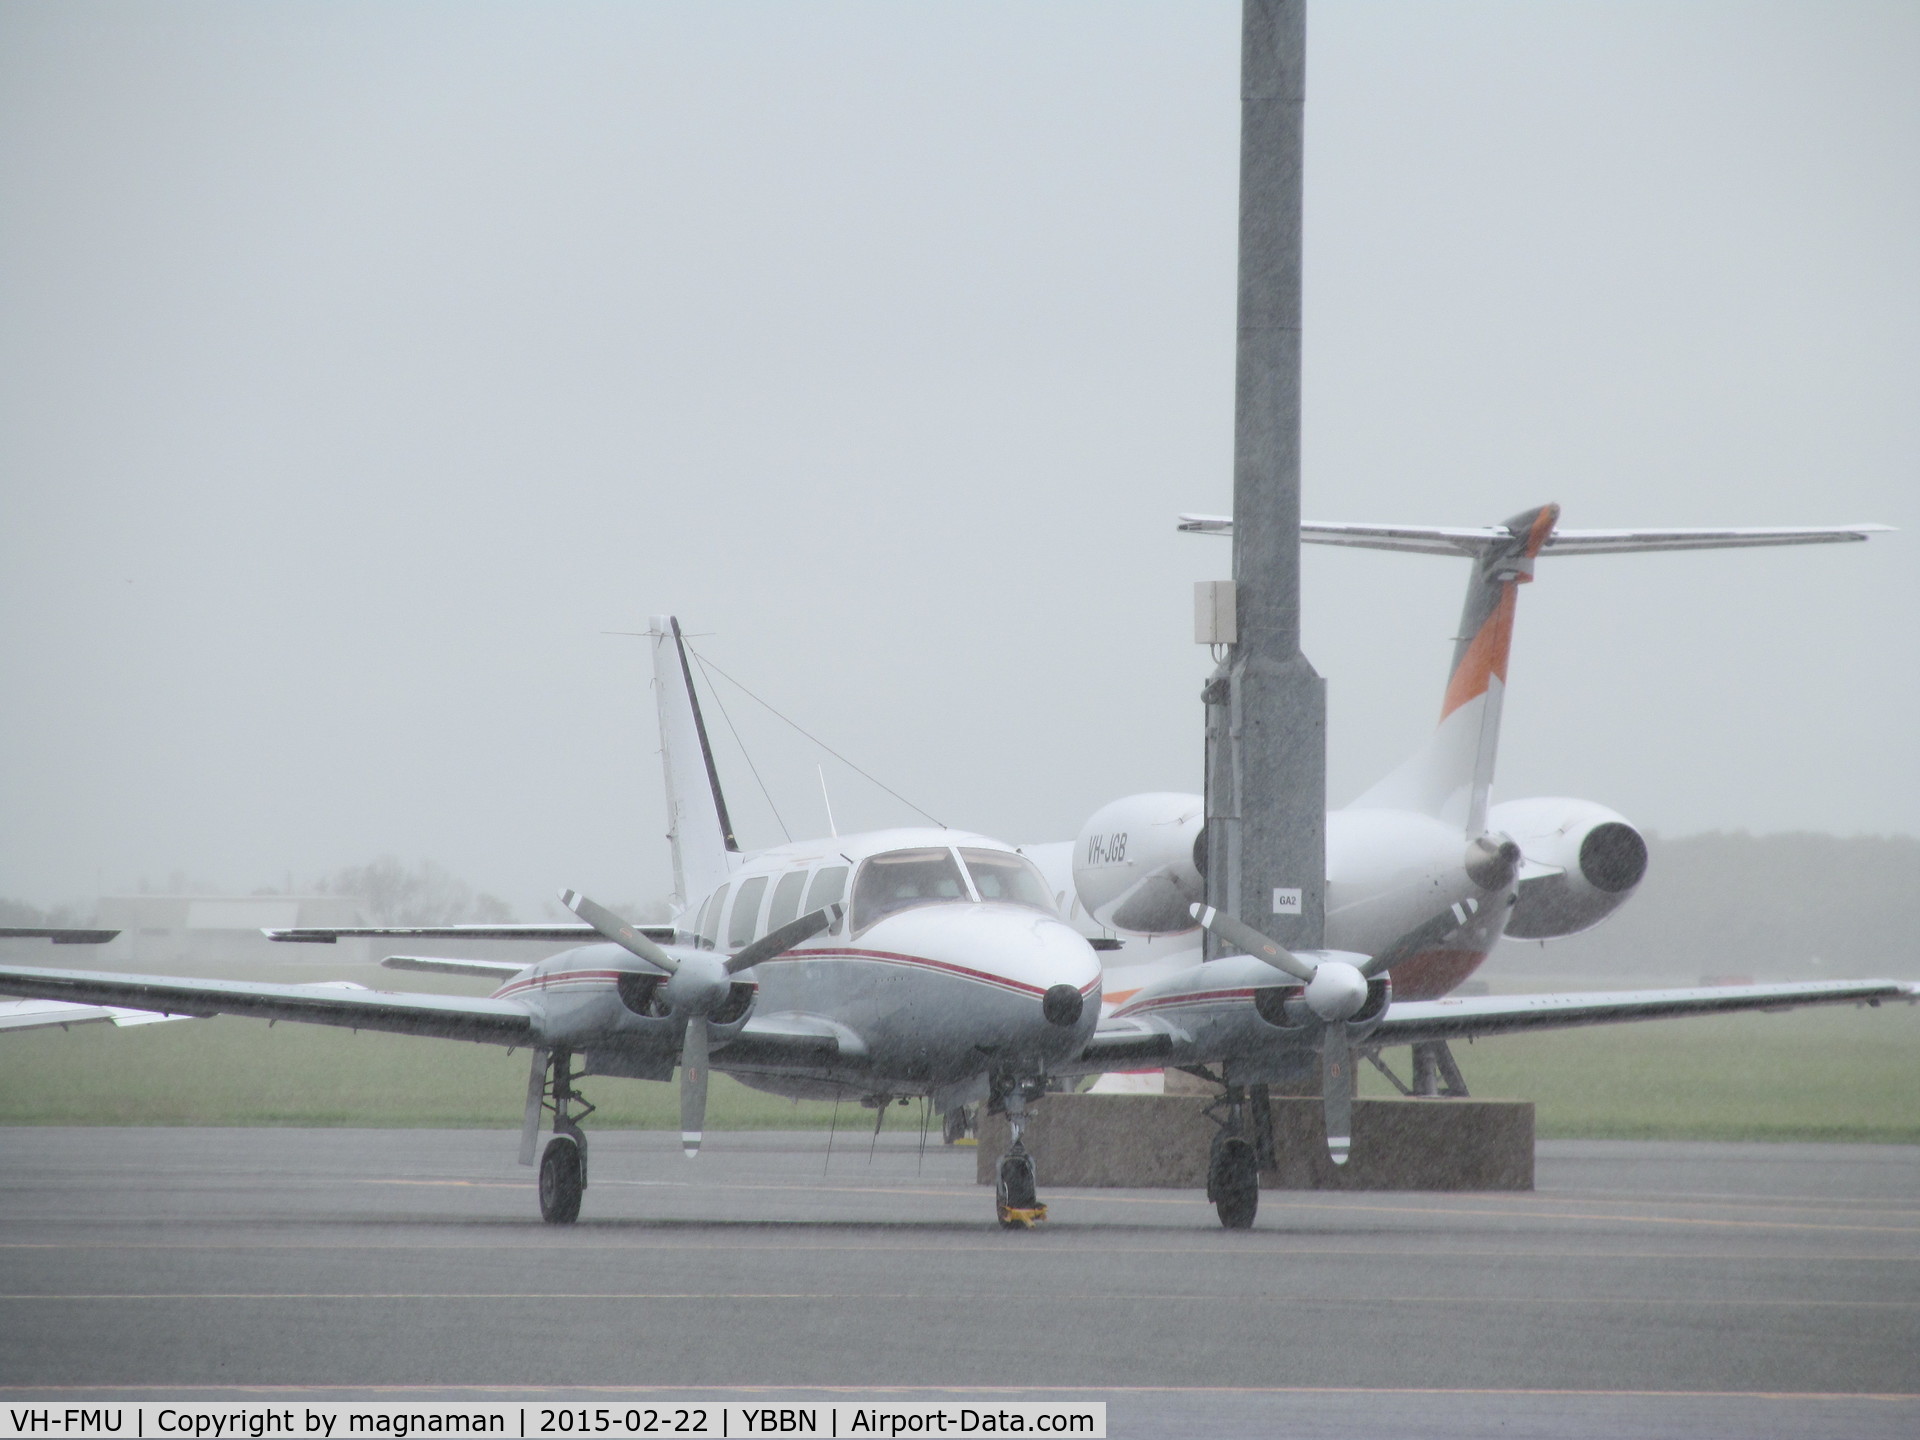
1136 863
1600 858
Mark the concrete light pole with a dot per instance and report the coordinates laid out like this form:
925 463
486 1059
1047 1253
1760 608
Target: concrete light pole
1266 706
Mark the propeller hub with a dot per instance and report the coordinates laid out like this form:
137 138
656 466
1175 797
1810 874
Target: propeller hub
700 987
1337 991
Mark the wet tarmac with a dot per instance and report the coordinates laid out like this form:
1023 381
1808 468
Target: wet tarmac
1642 1289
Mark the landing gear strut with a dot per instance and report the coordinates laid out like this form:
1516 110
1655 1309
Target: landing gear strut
1434 1071
1233 1161
563 1164
1016 1190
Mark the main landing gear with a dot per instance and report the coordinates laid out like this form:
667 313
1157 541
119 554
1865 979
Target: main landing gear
1016 1197
563 1164
1435 1074
1235 1158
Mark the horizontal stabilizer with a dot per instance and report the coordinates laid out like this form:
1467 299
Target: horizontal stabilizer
1474 540
59 936
43 1014
439 965
566 934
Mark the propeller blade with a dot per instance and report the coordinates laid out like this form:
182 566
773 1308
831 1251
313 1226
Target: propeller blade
778 942
1421 936
1336 1085
1245 938
693 1085
618 930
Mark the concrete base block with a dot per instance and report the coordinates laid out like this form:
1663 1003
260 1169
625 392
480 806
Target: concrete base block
1162 1142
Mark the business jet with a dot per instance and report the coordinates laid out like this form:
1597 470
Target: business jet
1425 874
897 963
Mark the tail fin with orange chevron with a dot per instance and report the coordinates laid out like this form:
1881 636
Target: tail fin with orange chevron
1451 775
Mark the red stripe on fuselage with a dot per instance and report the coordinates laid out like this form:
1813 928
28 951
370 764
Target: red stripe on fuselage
553 978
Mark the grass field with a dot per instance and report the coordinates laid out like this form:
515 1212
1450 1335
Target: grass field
1809 1075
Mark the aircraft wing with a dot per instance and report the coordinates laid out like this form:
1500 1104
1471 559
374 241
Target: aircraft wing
1473 539
44 1014
1468 1016
455 1017
578 934
783 1042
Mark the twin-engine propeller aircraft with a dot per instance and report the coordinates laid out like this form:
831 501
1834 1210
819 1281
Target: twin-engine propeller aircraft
878 966
1424 875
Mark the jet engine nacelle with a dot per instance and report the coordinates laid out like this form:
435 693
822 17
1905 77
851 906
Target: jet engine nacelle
1136 863
1597 860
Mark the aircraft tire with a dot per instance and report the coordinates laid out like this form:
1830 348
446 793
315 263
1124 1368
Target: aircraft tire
561 1184
1233 1183
1016 1191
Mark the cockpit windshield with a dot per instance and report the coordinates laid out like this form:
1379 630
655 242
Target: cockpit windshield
1000 875
902 879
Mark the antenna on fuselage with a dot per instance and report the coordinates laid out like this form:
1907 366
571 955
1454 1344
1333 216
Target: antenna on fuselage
700 729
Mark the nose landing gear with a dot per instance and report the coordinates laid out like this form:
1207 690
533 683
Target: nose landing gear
1016 1190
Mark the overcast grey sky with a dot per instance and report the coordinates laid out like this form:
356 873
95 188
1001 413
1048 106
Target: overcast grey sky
361 363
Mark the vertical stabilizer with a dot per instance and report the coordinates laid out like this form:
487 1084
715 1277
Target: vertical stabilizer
1450 776
698 828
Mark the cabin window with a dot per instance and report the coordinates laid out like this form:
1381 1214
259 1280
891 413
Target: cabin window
746 911
903 879
828 886
710 917
1002 875
786 900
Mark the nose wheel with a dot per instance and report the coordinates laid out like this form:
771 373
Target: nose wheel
1016 1198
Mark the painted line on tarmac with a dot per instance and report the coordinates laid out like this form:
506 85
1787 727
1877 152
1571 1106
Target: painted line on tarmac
578 1240
962 1297
1748 1200
1443 1211
1070 1193
1083 1195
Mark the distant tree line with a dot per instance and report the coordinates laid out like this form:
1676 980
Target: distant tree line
390 893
